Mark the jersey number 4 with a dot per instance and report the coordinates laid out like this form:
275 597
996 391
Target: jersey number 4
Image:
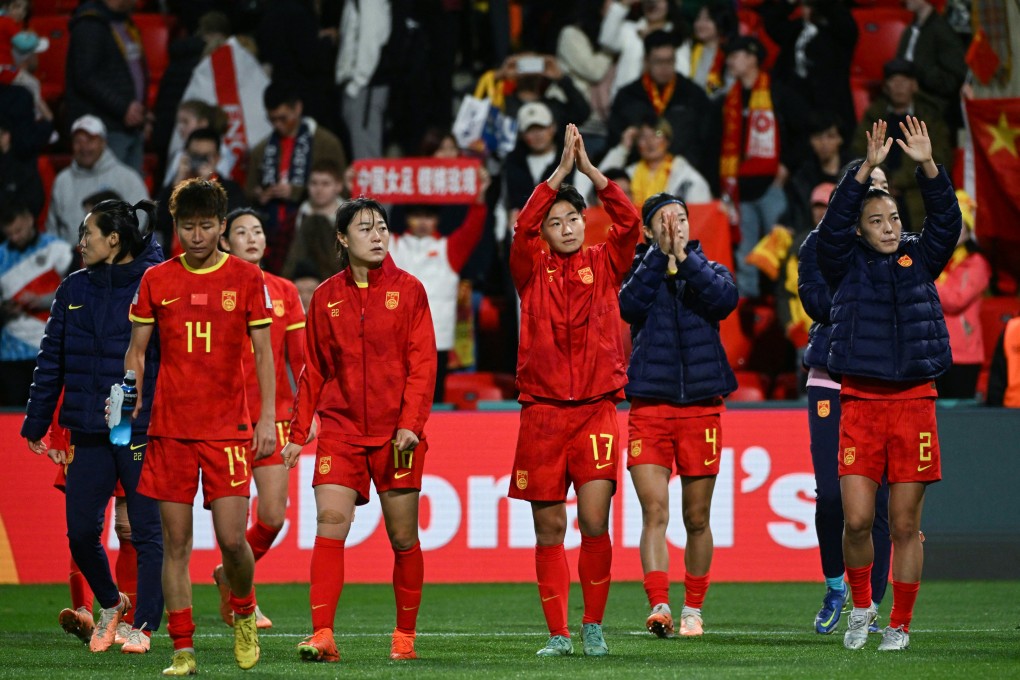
198 330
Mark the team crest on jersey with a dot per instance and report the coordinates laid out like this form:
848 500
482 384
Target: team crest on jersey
522 479
849 455
278 307
586 276
325 464
635 448
823 408
392 299
905 261
229 300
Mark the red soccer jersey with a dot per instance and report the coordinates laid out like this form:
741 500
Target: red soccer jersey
203 317
288 338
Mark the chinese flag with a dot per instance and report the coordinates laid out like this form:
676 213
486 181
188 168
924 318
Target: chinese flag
981 58
995 133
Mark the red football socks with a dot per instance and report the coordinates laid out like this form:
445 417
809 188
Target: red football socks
181 627
327 580
408 576
657 587
260 538
244 605
859 579
593 567
127 576
81 594
553 586
903 598
695 588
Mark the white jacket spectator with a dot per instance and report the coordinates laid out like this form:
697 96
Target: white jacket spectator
365 29
626 38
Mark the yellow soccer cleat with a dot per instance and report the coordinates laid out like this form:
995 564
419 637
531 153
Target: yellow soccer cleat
402 646
183 663
246 641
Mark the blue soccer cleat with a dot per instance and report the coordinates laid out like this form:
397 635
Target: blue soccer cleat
833 605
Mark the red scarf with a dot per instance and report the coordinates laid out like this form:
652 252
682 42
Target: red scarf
751 150
659 98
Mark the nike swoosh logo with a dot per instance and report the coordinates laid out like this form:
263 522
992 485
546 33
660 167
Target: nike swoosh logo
551 597
233 483
551 271
598 583
599 466
922 469
75 306
169 302
401 475
709 462
408 609
139 446
331 305
318 606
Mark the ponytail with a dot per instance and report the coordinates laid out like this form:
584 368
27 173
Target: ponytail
114 215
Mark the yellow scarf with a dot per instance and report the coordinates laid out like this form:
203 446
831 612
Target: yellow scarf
646 183
959 255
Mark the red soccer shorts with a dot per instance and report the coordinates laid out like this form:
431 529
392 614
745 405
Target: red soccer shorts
282 432
353 466
898 437
171 469
692 444
559 445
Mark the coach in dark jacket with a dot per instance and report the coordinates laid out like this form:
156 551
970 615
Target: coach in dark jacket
107 75
677 355
887 321
816 297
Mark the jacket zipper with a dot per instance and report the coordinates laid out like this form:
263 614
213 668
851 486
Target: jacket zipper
570 334
364 359
896 329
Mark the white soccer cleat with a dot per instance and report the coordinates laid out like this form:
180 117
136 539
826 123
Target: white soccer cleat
894 640
691 623
856 635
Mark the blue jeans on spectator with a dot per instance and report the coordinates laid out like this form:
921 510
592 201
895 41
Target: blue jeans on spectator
757 217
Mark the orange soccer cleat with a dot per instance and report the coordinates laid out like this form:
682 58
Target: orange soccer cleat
402 646
319 646
220 579
77 622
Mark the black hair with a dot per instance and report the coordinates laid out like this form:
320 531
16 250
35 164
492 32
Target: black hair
657 201
657 39
873 194
422 209
95 199
433 139
278 93
346 214
616 174
197 197
116 216
204 134
725 19
240 212
12 207
822 120
572 196
587 17
856 163
329 166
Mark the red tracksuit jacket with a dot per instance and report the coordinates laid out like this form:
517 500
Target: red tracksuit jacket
571 348
370 363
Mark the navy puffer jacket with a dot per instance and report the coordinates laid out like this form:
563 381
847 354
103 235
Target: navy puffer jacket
816 297
887 321
87 335
677 354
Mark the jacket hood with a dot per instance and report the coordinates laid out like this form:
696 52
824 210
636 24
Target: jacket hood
118 275
106 162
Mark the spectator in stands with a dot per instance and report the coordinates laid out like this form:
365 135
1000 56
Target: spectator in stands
937 53
535 157
18 179
702 57
306 279
625 37
93 168
589 68
760 119
661 92
25 47
280 166
815 51
900 99
31 267
822 165
12 20
961 286
314 240
192 115
657 170
365 28
28 134
107 76
1004 373
200 158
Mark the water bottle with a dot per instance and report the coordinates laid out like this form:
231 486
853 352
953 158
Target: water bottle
122 405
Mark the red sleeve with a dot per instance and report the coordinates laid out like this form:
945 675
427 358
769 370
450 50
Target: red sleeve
461 243
416 402
626 230
141 306
526 246
314 373
58 436
965 284
295 329
258 304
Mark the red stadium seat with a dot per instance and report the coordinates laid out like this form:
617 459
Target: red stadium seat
465 390
746 394
751 379
52 62
42 8
49 165
879 30
785 386
861 91
155 30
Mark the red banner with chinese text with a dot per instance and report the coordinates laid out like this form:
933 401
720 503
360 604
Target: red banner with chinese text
417 180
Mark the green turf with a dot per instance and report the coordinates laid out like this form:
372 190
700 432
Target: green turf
961 630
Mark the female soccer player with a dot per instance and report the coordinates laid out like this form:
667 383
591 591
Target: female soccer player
370 372
889 341
570 373
674 298
245 237
83 354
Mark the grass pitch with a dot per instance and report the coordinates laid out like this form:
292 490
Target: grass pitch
960 630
